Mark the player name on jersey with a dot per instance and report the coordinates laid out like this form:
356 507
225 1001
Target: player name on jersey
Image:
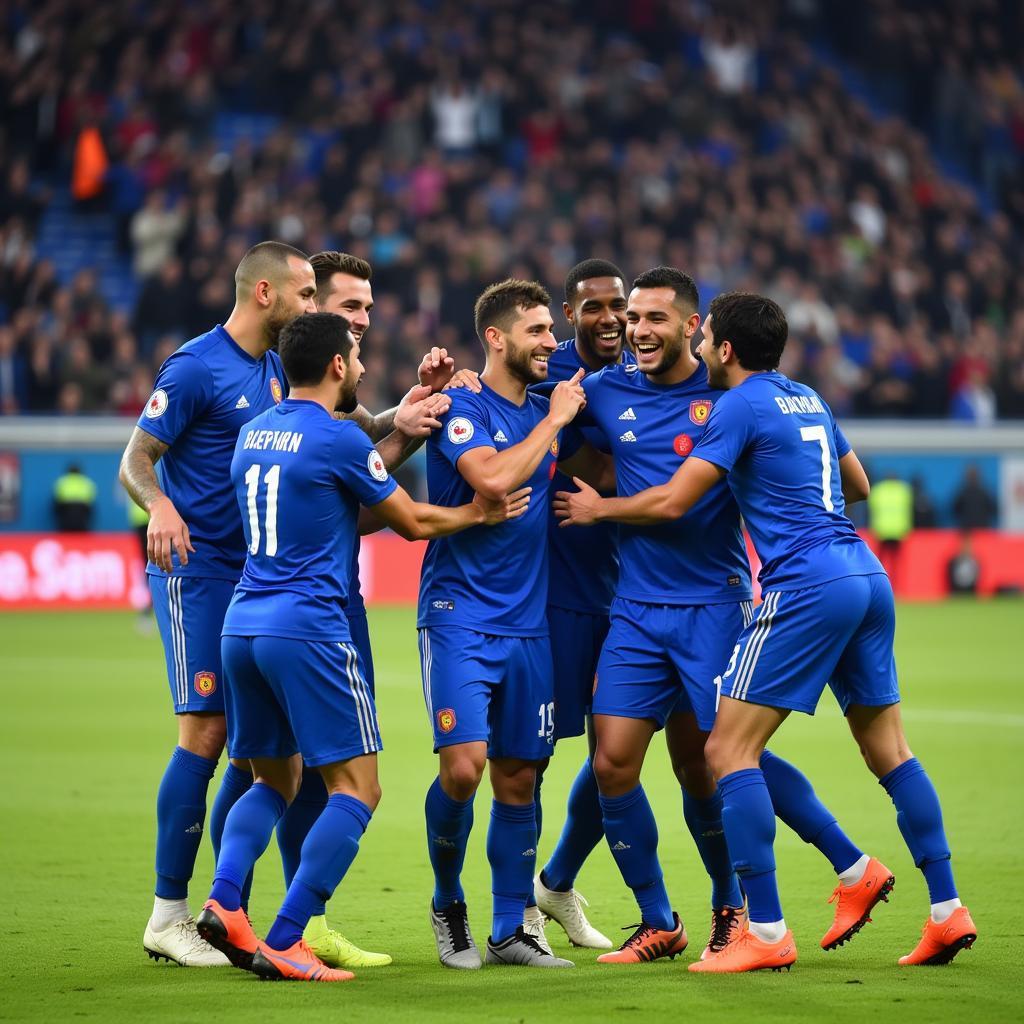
274 440
800 403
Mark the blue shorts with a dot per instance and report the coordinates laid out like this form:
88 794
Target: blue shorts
190 615
838 634
360 630
576 640
297 696
661 660
492 688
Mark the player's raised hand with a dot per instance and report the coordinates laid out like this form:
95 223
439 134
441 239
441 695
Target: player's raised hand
465 378
419 412
167 531
577 508
436 368
499 510
567 399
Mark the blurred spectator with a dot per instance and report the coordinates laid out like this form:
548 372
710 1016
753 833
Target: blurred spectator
926 516
974 507
890 519
74 500
963 570
155 231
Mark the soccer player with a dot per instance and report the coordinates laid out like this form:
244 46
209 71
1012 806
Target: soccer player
204 393
294 679
343 287
682 599
484 647
828 618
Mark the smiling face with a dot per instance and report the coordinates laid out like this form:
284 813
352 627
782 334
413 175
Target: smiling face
528 344
656 329
349 296
598 313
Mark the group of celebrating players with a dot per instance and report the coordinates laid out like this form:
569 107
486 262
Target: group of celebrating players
586 572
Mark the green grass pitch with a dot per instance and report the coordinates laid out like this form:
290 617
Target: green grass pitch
85 731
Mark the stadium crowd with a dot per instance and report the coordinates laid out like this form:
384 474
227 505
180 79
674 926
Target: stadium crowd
453 144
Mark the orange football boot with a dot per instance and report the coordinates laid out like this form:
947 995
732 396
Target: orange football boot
941 942
296 963
749 953
855 902
648 943
726 925
230 932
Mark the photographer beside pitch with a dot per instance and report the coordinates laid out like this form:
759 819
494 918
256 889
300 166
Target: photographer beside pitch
828 618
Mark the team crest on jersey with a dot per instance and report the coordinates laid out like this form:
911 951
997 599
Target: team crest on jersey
205 683
554 447
375 464
460 430
683 445
446 720
700 410
157 404
275 390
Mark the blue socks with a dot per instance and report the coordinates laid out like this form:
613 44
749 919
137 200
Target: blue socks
247 831
448 826
704 820
749 820
633 837
180 814
530 899
512 852
329 849
797 805
582 832
233 786
919 817
293 828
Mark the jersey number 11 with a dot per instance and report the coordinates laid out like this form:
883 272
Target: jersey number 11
252 480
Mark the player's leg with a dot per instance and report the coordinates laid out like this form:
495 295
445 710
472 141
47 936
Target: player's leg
260 735
865 684
456 667
576 641
521 730
188 614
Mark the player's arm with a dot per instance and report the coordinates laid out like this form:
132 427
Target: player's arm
493 474
592 466
856 486
416 520
138 477
416 418
666 502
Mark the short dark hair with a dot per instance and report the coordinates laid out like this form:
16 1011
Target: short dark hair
308 343
265 261
754 325
499 303
671 277
585 271
330 262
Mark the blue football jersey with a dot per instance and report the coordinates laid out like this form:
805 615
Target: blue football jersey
651 429
491 579
781 447
299 477
204 394
584 559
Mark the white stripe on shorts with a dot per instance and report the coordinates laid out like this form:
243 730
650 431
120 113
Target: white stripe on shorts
426 664
748 662
747 607
352 674
176 614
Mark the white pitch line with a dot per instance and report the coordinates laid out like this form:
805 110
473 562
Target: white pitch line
963 717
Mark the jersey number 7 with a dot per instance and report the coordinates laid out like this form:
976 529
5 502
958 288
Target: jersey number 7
818 434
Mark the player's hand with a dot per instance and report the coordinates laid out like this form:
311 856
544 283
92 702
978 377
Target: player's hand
436 369
567 399
512 506
420 411
465 378
167 531
577 508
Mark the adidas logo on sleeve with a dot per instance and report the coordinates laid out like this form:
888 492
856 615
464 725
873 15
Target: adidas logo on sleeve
628 414
627 436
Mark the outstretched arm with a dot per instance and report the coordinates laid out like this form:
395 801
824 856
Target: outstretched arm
416 520
668 501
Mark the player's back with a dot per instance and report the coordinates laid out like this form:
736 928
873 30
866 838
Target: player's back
489 579
299 476
205 393
782 448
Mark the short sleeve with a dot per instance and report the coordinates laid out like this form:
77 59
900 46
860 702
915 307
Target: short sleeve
357 465
731 428
843 447
182 392
463 427
570 441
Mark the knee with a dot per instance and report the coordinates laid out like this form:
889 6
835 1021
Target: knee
716 757
884 760
518 787
204 735
694 775
372 795
460 777
615 774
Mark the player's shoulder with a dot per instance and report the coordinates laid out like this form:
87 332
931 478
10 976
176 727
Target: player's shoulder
617 375
564 361
790 396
